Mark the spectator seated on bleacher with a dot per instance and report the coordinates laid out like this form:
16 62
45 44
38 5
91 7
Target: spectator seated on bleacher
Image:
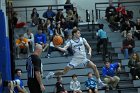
70 19
128 45
137 29
42 25
91 84
127 27
76 18
58 30
35 17
19 88
51 49
40 38
22 45
109 71
59 87
75 85
29 35
50 29
134 65
49 14
110 11
59 15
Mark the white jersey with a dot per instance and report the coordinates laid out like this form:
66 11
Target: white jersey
78 47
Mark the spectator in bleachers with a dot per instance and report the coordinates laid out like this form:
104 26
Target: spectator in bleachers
59 15
75 84
19 88
128 45
34 17
58 30
52 48
42 25
59 87
134 65
75 14
68 7
34 69
109 71
50 29
22 45
70 19
14 19
49 14
127 27
137 29
102 39
40 38
110 11
119 8
29 35
91 84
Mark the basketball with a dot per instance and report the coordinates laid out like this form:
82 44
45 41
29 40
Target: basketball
57 40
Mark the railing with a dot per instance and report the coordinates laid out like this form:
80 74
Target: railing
100 8
25 11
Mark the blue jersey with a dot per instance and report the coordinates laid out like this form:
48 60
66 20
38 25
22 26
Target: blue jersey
110 71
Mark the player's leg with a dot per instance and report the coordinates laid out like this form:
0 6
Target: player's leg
91 65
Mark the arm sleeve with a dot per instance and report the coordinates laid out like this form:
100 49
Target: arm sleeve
116 65
79 86
45 14
68 44
35 39
130 64
85 41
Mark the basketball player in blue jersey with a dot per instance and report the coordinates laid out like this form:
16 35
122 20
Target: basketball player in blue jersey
78 46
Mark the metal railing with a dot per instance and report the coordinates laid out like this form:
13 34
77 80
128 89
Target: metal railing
25 11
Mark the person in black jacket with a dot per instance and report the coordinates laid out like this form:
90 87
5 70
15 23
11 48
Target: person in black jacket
128 45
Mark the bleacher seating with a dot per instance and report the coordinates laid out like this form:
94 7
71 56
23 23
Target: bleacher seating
58 62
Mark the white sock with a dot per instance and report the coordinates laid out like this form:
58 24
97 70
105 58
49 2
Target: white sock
99 80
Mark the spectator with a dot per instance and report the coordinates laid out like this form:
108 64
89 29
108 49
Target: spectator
59 15
127 26
128 45
58 30
52 48
34 17
50 29
14 19
34 71
20 88
75 85
59 86
70 19
40 38
102 35
29 35
75 15
134 65
91 84
22 45
110 11
49 14
68 7
137 29
109 71
42 25
119 8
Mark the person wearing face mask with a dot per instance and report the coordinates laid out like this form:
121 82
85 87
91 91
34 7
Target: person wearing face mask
75 84
128 45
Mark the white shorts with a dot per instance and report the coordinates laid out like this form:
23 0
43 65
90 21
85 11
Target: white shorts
77 61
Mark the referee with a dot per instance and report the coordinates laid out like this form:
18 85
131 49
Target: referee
34 71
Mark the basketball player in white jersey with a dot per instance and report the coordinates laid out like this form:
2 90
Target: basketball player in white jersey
78 46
